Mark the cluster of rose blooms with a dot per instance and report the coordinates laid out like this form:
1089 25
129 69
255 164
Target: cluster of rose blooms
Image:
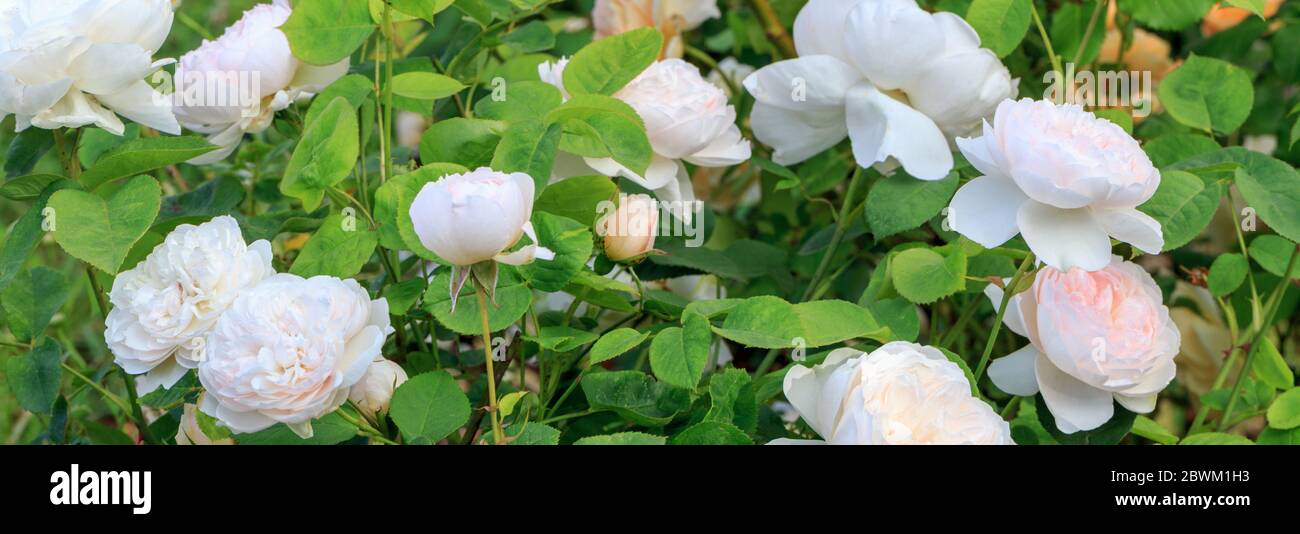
901 83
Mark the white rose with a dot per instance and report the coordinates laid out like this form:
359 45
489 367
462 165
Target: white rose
165 306
190 433
474 217
901 393
375 390
289 350
1062 178
629 231
670 17
1094 336
898 81
686 118
70 63
252 74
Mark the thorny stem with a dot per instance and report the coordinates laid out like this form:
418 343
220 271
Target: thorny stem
1007 293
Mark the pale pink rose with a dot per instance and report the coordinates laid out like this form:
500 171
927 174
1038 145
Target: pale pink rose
1064 179
901 393
1094 337
630 230
670 17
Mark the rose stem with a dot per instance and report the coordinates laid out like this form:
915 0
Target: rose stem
487 358
1007 293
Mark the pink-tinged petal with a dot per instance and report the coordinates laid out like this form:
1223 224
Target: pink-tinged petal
725 150
1077 405
881 127
797 135
1014 373
1014 317
980 155
985 210
1133 227
1064 238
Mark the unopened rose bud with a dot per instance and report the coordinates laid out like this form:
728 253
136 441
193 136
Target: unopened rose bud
630 231
190 433
375 390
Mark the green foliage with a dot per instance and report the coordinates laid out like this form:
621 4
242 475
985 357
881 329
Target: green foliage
101 231
1001 24
429 406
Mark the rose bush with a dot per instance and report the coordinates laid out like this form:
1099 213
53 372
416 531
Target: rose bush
649 222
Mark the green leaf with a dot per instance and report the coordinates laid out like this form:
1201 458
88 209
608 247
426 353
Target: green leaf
1166 14
26 150
141 156
623 438
323 32
1286 54
325 156
600 126
678 355
519 101
614 343
1109 433
469 143
34 377
1284 413
1070 23
901 202
561 338
1208 94
769 322
1147 428
1270 368
425 85
528 146
355 88
425 9
26 233
1253 6
731 399
430 406
1227 273
1269 185
1001 24
31 300
1215 438
571 243
1273 436
218 196
534 36
606 65
532 433
339 248
635 396
1172 148
101 232
711 433
402 295
900 316
27 187
1183 203
577 198
923 275
327 430
513 298
1273 253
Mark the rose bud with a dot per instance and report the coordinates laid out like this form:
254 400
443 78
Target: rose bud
630 230
375 390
